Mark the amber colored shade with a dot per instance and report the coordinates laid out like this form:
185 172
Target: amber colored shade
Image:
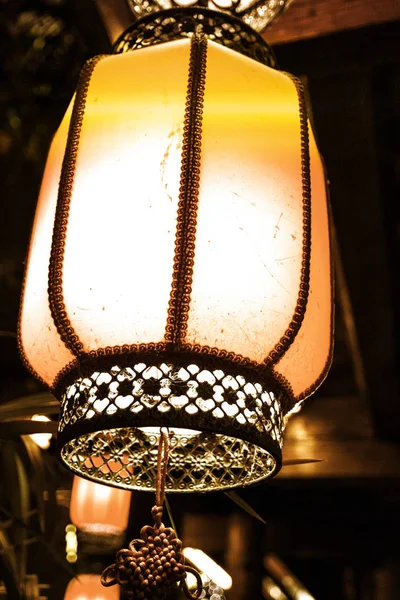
179 272
249 240
97 508
88 587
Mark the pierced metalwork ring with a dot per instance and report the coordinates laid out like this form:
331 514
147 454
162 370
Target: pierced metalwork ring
177 23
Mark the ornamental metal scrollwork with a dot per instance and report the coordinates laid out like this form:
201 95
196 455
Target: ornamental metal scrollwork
107 433
256 14
177 23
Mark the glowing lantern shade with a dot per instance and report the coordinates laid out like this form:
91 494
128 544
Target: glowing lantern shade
88 587
179 271
99 509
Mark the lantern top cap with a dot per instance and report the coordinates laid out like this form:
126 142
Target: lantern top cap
179 23
258 14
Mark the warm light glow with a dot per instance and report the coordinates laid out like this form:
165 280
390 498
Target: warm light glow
182 228
209 567
71 543
301 595
275 592
41 439
99 508
271 590
250 210
88 587
172 430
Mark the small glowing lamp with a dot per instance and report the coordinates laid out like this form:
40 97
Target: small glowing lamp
208 567
41 439
99 509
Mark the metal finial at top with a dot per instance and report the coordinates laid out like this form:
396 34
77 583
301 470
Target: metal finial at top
255 13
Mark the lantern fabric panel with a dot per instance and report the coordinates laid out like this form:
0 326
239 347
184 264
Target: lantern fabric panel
40 342
306 362
249 230
117 280
99 509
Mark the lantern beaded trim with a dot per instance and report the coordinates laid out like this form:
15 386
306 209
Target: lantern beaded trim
107 433
186 222
177 23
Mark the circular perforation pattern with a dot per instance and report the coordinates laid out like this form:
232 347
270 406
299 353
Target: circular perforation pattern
257 14
177 23
127 458
225 431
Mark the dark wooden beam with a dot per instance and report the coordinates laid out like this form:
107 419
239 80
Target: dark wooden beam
340 433
341 72
375 46
344 117
313 18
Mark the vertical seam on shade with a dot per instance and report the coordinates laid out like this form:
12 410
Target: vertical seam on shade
179 302
55 284
314 386
302 298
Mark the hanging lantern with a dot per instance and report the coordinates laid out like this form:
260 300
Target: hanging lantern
100 510
88 587
179 272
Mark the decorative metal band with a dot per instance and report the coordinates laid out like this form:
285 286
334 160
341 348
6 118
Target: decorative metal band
177 23
188 194
55 289
302 298
125 457
110 419
211 358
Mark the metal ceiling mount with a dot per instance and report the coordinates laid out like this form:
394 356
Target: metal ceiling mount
177 23
255 13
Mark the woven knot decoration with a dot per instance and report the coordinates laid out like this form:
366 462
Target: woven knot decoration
153 566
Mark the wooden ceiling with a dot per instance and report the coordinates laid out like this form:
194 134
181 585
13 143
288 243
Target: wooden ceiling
306 19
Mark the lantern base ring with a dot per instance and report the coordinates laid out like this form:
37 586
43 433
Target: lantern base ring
225 431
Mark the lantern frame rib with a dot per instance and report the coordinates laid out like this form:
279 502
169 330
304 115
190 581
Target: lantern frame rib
315 385
55 289
185 240
294 326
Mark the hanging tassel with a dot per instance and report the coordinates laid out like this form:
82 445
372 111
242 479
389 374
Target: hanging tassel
153 566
